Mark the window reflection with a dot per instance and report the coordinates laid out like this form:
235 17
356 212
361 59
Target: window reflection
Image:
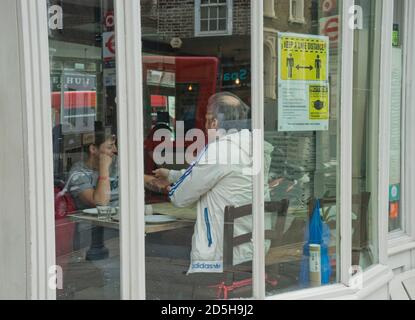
83 92
365 250
395 185
196 73
301 94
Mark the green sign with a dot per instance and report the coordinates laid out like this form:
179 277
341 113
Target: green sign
394 192
395 35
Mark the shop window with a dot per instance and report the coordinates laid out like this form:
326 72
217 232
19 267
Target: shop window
189 89
397 108
297 11
365 139
85 161
301 120
213 17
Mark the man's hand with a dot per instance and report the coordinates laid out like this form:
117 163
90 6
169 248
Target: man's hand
158 185
161 173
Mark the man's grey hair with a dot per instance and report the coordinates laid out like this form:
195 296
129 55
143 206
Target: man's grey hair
230 111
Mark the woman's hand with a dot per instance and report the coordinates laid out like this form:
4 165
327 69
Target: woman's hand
105 161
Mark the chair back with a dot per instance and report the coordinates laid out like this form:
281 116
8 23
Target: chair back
277 209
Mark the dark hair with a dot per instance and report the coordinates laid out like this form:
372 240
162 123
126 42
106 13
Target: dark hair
100 136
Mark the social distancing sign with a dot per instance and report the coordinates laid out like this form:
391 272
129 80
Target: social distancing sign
303 58
303 82
319 102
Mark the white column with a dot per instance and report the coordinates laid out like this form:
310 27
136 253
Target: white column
257 45
131 141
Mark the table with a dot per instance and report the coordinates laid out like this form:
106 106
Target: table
186 218
114 224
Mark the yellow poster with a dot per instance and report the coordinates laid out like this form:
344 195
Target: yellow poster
319 102
303 82
303 58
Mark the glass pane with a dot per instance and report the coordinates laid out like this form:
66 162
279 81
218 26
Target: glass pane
189 246
302 106
365 135
395 211
213 12
204 25
204 12
294 8
222 12
82 71
222 24
213 25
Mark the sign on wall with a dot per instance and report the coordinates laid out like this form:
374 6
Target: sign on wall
234 76
108 41
303 86
330 27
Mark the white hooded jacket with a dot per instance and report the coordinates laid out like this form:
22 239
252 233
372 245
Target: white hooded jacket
220 177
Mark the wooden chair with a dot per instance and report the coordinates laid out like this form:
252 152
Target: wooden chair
360 206
231 271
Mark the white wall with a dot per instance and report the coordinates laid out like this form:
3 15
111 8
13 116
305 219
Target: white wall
13 241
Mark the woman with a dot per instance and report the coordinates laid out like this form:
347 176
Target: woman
95 181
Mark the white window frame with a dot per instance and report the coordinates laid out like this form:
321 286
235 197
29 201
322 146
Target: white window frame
229 24
345 143
131 137
403 240
35 95
34 47
298 15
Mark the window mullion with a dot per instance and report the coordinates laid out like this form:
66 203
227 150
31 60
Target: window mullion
346 125
257 92
409 116
130 124
384 127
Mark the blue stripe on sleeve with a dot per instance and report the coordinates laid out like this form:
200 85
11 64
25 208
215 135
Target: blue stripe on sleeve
187 173
208 231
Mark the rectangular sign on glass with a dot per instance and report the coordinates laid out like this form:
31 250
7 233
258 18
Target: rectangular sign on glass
303 90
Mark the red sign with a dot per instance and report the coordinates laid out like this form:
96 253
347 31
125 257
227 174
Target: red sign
110 44
158 101
328 6
109 19
394 210
330 28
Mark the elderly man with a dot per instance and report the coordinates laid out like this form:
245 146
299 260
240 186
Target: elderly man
221 176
